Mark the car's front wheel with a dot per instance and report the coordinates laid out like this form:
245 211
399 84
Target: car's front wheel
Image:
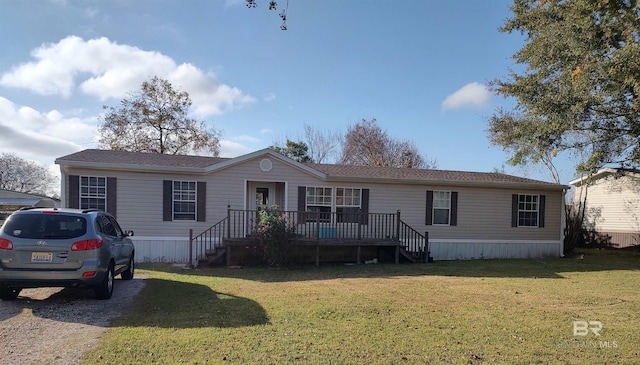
8 293
128 273
104 290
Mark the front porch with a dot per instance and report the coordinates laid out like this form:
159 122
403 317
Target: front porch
320 237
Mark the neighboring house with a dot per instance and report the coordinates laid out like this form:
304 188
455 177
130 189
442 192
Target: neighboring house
612 205
467 215
13 200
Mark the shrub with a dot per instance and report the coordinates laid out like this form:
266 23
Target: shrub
276 233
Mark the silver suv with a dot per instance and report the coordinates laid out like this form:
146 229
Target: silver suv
51 247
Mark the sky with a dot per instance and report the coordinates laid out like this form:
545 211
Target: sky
421 68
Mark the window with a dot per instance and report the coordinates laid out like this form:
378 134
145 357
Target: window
347 205
319 200
184 200
93 192
528 210
441 207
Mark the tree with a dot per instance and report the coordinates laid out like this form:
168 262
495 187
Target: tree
273 6
323 144
579 90
295 150
26 176
366 144
155 119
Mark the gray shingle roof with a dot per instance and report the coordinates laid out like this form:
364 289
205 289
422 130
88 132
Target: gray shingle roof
140 158
95 156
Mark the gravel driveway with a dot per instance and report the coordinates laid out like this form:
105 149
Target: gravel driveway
56 326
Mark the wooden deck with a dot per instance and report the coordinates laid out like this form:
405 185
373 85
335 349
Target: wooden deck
360 231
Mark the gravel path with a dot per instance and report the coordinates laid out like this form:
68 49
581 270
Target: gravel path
55 325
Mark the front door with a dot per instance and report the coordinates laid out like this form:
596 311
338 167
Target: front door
261 195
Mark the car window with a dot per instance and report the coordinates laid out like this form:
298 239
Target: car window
51 226
105 225
116 226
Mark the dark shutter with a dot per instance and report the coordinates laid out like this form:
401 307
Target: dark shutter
454 209
73 201
302 203
541 204
514 210
112 190
364 204
167 200
429 214
201 203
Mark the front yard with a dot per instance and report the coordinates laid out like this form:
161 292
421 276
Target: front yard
455 312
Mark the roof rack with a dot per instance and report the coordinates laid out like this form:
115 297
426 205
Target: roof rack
92 210
29 208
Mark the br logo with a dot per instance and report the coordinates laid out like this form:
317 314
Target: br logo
582 328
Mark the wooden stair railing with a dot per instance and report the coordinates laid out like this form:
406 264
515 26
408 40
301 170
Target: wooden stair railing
207 242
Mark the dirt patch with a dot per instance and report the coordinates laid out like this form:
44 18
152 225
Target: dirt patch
55 325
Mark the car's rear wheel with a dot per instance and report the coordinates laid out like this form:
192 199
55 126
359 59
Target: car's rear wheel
8 293
104 290
128 273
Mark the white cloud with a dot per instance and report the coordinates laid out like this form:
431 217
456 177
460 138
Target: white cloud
266 131
470 95
232 149
41 136
105 69
247 138
269 97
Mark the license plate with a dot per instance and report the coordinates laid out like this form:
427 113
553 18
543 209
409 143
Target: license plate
41 257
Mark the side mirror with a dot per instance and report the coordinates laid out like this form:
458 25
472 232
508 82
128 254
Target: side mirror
128 233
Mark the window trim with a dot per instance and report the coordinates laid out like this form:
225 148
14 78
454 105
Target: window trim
433 208
537 210
89 196
181 191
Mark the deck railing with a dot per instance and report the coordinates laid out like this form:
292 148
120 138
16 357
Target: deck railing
346 226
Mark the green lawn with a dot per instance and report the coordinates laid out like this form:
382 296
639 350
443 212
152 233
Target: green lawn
451 312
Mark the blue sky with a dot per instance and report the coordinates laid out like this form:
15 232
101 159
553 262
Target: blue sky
419 67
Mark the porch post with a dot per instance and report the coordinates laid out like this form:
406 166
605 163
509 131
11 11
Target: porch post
317 255
228 221
358 256
398 225
191 247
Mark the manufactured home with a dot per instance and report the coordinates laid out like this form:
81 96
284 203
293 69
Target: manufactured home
183 208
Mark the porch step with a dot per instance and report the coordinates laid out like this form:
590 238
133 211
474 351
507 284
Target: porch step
413 257
214 257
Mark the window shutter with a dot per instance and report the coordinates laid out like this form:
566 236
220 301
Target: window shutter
167 200
454 209
302 203
201 203
541 204
364 206
514 210
73 201
429 216
112 189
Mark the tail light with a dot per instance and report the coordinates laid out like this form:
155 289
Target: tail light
5 244
85 245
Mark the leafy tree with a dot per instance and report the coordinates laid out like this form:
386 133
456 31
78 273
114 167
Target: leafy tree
367 144
579 87
155 119
26 176
295 150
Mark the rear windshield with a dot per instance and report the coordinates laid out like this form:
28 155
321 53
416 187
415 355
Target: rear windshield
44 225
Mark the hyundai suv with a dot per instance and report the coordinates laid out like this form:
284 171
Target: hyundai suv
51 247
